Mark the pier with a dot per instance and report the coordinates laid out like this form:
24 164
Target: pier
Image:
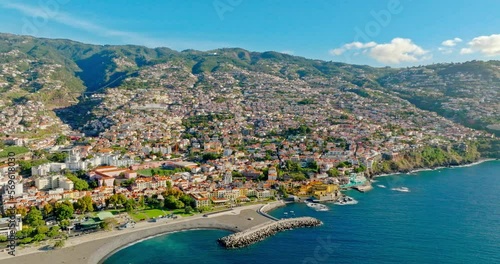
261 232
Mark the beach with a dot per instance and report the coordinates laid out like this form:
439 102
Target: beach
93 248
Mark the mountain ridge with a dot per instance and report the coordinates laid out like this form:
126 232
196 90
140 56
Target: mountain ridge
60 72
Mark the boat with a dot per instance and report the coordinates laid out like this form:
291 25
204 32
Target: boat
381 186
346 200
317 206
401 189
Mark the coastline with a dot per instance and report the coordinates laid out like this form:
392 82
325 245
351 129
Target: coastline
432 168
97 247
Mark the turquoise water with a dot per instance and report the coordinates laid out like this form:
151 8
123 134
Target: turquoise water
449 216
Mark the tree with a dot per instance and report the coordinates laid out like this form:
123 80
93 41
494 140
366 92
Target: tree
359 169
172 203
3 238
42 229
113 200
25 232
47 209
188 200
333 172
283 191
54 231
84 204
58 157
188 209
59 244
39 237
61 140
19 210
79 184
313 165
130 205
25 240
108 224
34 218
64 223
64 210
122 199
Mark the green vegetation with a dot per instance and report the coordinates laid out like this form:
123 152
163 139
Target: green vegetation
306 102
160 171
84 205
202 120
430 157
78 183
16 149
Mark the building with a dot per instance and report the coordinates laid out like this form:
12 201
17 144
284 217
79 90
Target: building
201 199
151 182
264 194
6 227
45 169
18 189
53 182
272 174
228 177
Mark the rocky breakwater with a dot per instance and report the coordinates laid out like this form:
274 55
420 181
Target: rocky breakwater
261 232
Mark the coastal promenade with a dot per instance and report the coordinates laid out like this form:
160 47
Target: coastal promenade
93 248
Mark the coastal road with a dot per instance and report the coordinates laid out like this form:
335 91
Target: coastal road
94 247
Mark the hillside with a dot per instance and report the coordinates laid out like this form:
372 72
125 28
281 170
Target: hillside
54 83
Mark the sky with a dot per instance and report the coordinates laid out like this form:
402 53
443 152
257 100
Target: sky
374 32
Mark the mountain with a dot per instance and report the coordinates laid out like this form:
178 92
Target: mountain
52 79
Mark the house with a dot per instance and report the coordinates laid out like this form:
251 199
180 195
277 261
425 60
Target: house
200 199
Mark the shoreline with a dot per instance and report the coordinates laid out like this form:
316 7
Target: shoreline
433 168
97 247
262 209
117 240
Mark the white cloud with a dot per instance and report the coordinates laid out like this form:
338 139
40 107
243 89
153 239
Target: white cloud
445 50
451 42
466 51
487 45
350 46
399 50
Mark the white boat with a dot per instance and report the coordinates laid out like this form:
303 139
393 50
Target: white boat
317 206
346 200
401 189
381 186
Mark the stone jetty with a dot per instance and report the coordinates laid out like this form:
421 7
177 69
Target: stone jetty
261 232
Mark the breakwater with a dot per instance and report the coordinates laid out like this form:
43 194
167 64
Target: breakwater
261 232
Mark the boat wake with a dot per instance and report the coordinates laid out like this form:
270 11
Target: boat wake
381 186
401 189
346 200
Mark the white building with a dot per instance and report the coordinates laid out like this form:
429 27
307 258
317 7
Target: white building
5 226
45 169
228 177
54 182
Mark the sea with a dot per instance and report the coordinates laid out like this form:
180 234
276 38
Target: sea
449 215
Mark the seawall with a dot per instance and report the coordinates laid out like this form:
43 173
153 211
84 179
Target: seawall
269 207
261 232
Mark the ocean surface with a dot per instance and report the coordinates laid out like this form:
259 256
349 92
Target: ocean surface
450 215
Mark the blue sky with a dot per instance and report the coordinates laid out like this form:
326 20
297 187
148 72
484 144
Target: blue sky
374 32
